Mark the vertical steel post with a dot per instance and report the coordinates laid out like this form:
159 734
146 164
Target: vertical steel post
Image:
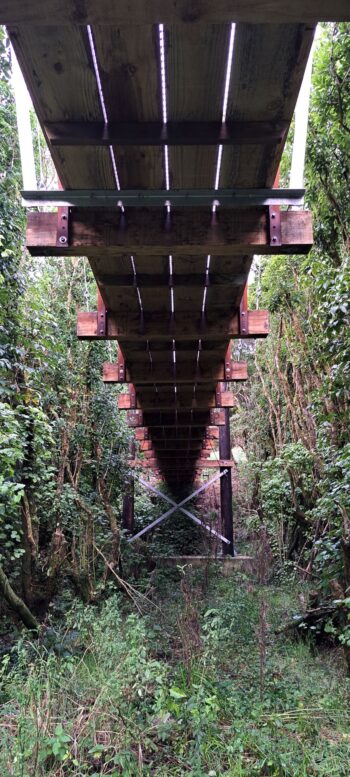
226 485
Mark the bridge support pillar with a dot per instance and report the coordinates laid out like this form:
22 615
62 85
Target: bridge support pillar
226 486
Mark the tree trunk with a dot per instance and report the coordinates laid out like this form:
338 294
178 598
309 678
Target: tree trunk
109 510
28 512
30 551
345 544
17 604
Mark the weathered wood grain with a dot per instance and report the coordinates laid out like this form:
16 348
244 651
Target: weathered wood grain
168 457
153 281
182 400
128 61
196 434
148 230
174 133
267 70
185 373
178 419
175 445
58 69
107 12
183 327
195 62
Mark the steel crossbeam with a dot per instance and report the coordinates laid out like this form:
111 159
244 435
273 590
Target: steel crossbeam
99 198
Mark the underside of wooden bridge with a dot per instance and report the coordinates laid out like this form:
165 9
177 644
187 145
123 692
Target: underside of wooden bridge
182 99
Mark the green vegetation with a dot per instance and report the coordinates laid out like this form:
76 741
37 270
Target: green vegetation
192 686
294 413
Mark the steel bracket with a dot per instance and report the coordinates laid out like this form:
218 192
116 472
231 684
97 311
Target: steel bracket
228 364
243 314
121 366
132 395
62 236
101 316
134 418
121 371
275 225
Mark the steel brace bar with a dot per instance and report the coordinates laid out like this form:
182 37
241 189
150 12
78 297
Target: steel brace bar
186 512
179 507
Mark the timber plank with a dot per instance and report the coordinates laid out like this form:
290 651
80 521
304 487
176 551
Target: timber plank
115 295
107 12
195 66
147 404
159 282
186 296
172 436
180 418
226 233
210 433
171 455
148 445
160 435
128 59
164 372
148 399
153 133
183 349
188 280
268 66
160 327
57 65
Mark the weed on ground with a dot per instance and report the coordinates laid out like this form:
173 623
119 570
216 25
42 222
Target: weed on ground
197 684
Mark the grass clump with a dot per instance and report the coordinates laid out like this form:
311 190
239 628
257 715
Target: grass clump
196 685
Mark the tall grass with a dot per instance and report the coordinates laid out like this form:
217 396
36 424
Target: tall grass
175 691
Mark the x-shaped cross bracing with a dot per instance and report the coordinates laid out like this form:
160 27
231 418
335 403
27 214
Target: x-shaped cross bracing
179 506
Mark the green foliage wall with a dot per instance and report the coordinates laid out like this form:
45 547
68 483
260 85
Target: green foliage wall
295 411
63 443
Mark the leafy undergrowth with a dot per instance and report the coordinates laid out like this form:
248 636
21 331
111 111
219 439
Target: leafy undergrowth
198 684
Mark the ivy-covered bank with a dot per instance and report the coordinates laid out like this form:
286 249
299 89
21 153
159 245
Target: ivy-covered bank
62 444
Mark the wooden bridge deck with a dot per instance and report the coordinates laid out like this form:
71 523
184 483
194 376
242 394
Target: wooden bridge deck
171 283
